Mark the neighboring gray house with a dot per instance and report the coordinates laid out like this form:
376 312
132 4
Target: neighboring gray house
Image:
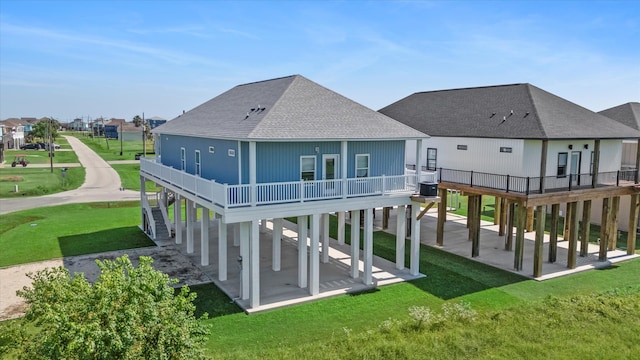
628 114
285 147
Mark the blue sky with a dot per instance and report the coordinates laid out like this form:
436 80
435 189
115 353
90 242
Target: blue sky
122 58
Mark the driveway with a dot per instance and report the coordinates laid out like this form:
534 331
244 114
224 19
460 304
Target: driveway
102 183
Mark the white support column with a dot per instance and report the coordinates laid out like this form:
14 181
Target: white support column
418 162
204 237
245 233
341 227
401 234
343 167
252 172
355 243
177 218
302 251
276 254
324 219
254 264
314 256
222 250
368 246
236 234
190 221
415 240
263 225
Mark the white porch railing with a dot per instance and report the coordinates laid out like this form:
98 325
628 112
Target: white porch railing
229 196
147 209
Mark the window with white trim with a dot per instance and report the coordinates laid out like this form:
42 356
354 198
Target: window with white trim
308 168
362 165
183 159
198 168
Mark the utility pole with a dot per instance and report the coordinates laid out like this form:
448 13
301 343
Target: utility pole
121 124
104 133
144 137
50 123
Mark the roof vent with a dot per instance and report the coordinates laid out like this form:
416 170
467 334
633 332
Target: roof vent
492 115
526 114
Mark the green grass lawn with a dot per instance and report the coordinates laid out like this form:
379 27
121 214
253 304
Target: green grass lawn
130 177
110 149
516 317
38 181
42 156
508 305
67 230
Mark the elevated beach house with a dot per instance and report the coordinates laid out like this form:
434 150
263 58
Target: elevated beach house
528 148
275 149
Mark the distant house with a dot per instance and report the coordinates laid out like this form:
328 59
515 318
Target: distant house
78 125
628 114
525 146
155 121
285 147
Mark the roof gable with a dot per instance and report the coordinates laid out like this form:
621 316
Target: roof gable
516 111
628 114
286 108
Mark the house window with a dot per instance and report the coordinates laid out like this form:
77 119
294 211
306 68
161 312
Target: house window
462 147
198 171
183 159
308 168
591 164
362 165
504 149
562 164
432 156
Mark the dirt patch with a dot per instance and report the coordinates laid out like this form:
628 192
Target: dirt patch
11 178
166 259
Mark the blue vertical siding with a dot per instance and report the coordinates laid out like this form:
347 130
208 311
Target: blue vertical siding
385 157
276 161
218 166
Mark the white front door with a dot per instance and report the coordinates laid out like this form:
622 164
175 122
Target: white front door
330 169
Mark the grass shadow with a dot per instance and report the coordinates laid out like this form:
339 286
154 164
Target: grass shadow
129 237
213 301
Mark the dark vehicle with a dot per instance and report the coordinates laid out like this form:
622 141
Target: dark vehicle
42 145
55 146
30 147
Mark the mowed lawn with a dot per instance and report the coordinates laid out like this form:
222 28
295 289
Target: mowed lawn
67 230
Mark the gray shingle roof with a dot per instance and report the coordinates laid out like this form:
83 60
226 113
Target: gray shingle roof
628 114
286 108
486 112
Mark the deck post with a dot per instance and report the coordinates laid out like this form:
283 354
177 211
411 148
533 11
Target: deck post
254 264
573 235
177 214
519 251
596 164
585 228
355 243
475 236
204 237
276 249
302 251
633 224
566 234
508 241
497 207
401 229
604 229
613 231
414 257
539 242
442 216
385 217
222 250
368 246
543 164
635 174
530 216
504 209
553 232
314 256
341 216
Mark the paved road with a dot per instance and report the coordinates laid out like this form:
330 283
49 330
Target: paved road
102 183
